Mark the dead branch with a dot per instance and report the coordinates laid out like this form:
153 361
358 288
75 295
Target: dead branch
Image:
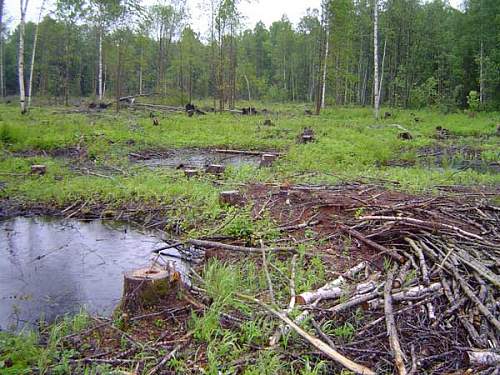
391 324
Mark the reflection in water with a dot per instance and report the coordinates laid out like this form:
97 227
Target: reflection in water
49 267
195 158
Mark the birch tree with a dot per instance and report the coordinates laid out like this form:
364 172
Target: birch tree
33 53
2 79
22 90
376 88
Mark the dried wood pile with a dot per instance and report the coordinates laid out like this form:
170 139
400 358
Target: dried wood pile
426 300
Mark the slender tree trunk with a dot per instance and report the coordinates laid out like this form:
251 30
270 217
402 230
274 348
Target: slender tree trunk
33 53
140 71
2 82
118 77
22 90
382 73
248 88
100 88
325 66
481 77
375 61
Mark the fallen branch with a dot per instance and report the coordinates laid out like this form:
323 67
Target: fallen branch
424 223
393 254
391 324
223 246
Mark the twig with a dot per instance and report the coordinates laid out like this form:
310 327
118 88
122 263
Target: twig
266 271
391 324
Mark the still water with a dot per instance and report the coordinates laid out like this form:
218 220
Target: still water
50 267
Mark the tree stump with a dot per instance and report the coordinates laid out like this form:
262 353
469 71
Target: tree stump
268 122
216 169
306 136
230 198
191 173
39 169
405 136
266 160
148 287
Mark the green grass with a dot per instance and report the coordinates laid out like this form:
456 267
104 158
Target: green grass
350 146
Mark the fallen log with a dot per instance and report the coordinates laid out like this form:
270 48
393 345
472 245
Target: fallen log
223 246
483 358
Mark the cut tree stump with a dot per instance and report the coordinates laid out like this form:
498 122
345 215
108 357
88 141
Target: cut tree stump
148 287
266 160
230 198
405 135
216 169
38 169
191 172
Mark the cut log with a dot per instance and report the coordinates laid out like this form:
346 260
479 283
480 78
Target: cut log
147 287
39 169
483 358
267 160
216 169
230 198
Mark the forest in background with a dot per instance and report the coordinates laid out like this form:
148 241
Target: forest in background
430 54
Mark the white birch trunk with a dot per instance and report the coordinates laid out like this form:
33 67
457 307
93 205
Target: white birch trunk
327 45
100 88
382 72
375 61
33 54
22 91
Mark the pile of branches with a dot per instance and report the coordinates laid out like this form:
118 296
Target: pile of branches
431 307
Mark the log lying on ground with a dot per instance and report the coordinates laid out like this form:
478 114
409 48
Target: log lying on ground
483 358
330 290
223 246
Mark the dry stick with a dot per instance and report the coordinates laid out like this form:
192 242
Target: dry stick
277 335
472 296
425 274
266 271
314 341
219 245
471 330
393 254
373 323
422 222
391 324
165 359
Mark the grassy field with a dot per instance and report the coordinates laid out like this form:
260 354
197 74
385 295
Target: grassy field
87 159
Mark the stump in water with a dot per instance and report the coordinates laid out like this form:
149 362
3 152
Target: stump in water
38 169
147 287
266 160
230 198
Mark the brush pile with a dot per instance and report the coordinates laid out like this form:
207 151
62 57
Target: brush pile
431 306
